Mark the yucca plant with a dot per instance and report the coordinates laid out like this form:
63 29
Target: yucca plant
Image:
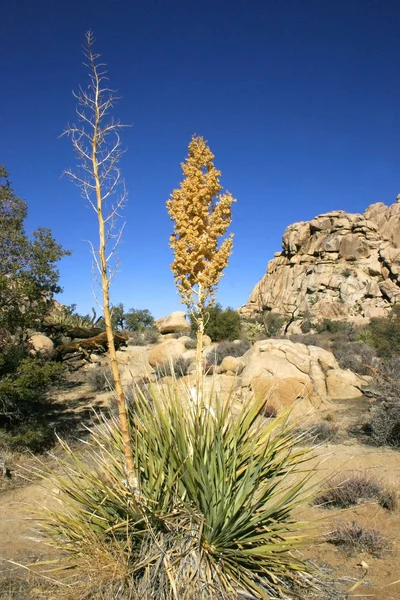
215 514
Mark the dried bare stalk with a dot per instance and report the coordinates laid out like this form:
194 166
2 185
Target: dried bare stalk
97 143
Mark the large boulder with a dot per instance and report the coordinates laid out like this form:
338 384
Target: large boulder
40 344
165 351
338 266
134 364
175 323
297 376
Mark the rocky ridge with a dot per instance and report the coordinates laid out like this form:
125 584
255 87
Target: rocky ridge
337 266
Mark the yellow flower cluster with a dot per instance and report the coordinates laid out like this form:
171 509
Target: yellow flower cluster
202 216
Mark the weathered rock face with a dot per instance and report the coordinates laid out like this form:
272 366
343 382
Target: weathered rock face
338 266
175 323
165 351
296 376
40 344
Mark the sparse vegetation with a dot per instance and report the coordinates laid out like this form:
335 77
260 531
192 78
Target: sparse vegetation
334 327
352 538
384 333
235 349
320 431
190 344
272 324
356 356
144 337
174 368
100 378
353 489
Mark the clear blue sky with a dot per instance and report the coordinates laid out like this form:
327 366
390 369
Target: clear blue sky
299 100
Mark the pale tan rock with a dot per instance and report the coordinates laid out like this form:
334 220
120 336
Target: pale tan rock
206 341
284 394
232 364
134 364
40 344
175 323
309 371
165 351
343 384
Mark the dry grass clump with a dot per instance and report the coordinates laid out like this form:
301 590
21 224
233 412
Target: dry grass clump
354 489
319 432
352 538
213 513
179 367
235 349
100 379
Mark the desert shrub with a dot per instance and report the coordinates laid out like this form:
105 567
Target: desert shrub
272 323
349 491
144 337
191 344
37 436
306 326
11 356
23 392
140 390
352 538
384 334
320 431
236 349
222 324
311 340
384 426
215 506
356 356
101 378
179 367
334 327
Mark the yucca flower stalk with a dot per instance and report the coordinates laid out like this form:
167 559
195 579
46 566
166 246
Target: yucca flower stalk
202 215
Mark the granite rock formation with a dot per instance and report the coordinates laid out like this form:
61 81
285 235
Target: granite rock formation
338 266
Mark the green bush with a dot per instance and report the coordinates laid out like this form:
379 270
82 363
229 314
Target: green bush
23 390
37 436
334 327
222 324
214 511
272 323
384 334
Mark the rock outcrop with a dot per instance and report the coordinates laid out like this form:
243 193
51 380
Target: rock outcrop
296 376
175 323
40 344
338 266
